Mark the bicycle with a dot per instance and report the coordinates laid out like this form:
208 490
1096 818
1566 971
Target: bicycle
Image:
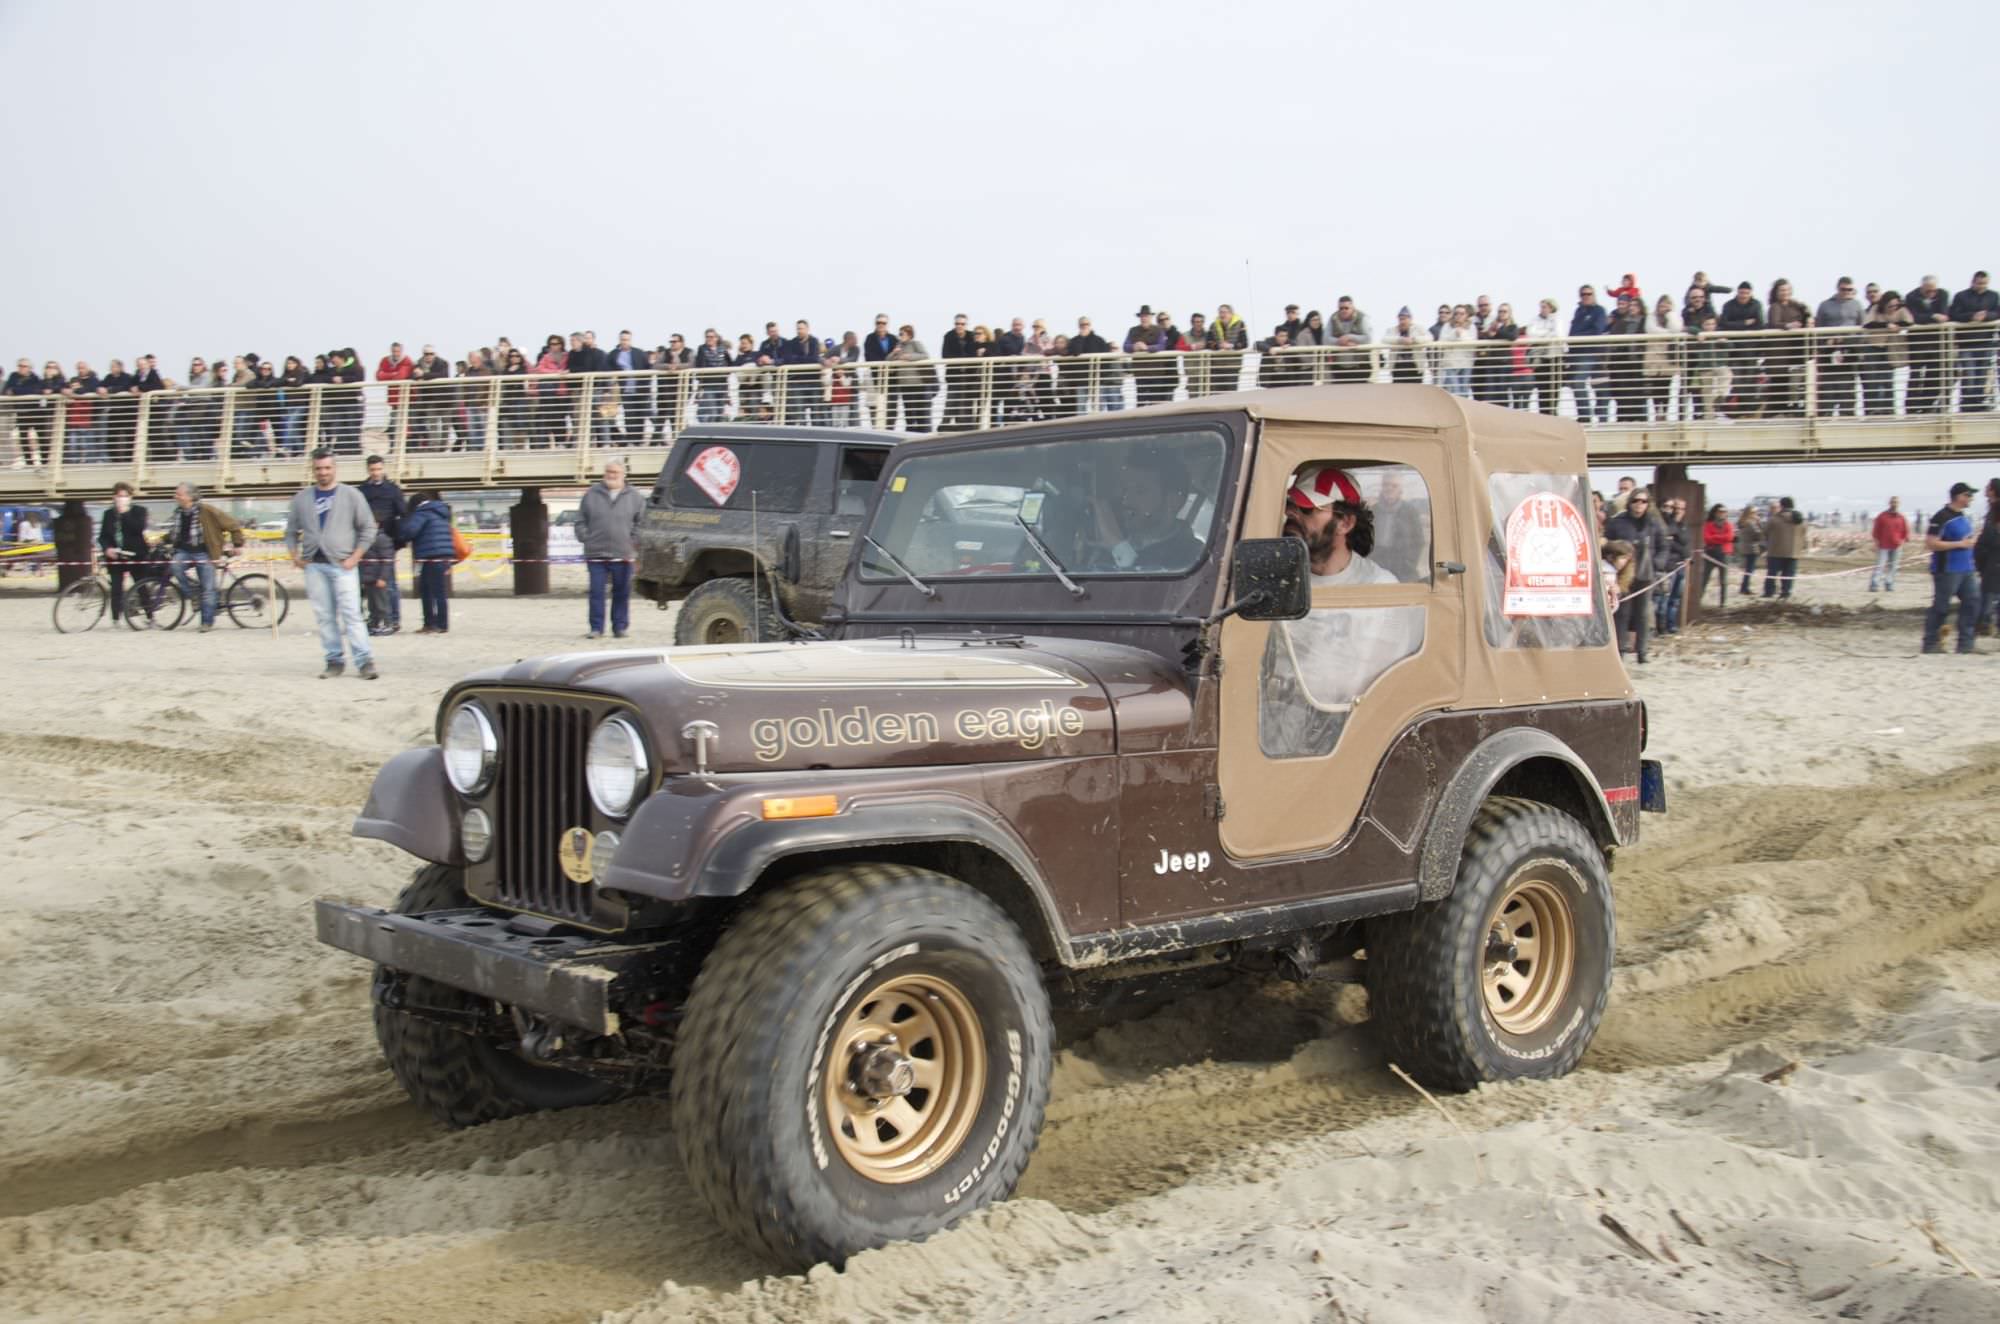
250 601
80 606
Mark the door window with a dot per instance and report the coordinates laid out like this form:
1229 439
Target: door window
1368 526
860 471
1543 582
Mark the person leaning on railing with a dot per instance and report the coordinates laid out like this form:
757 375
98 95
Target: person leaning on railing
1886 353
1977 312
1930 323
1662 360
712 388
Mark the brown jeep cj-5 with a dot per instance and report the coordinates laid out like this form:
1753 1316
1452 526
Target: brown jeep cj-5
1317 680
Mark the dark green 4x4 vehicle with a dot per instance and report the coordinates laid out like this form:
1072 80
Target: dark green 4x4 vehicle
1313 682
744 511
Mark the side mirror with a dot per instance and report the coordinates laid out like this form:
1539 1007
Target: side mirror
1272 579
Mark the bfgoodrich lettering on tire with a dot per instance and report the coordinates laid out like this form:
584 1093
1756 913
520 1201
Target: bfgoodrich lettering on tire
864 1059
1506 977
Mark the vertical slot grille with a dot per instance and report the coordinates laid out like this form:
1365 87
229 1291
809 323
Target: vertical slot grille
541 795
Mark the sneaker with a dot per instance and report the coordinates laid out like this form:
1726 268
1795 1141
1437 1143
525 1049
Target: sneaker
1933 648
206 626
333 669
377 631
368 671
595 634
618 634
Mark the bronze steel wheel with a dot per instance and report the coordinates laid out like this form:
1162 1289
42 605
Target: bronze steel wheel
727 611
907 1075
1530 953
1505 977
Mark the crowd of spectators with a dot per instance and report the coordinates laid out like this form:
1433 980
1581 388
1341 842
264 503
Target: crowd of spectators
1922 352
1653 551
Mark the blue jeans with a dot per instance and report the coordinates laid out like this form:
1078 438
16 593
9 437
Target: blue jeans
336 601
1884 573
1589 408
204 570
1973 366
1778 574
1667 602
1946 585
617 576
1458 381
434 584
292 431
83 445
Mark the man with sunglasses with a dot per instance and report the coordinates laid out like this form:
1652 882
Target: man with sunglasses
14 409
1637 526
1589 319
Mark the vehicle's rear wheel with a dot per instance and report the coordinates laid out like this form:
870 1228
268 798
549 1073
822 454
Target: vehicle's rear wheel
1507 977
257 601
728 611
864 1059
81 606
463 1079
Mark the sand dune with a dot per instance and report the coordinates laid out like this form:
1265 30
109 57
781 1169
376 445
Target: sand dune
194 1123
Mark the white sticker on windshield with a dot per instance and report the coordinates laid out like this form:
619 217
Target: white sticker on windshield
1031 507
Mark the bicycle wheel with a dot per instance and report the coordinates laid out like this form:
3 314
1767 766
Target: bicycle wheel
257 600
81 606
154 604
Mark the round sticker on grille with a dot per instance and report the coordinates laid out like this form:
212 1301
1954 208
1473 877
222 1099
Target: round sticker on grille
574 855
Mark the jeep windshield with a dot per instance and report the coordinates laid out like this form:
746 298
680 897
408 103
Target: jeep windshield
1127 505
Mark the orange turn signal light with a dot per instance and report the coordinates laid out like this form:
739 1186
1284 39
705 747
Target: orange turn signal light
804 806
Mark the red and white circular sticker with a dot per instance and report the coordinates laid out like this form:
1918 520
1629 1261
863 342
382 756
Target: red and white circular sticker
716 471
1549 553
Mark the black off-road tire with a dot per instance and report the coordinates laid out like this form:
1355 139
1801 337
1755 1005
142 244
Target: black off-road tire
756 1058
1427 969
728 611
459 1079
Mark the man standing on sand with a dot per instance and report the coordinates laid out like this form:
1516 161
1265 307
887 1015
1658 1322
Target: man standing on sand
607 524
1784 543
378 573
328 531
1949 541
1891 532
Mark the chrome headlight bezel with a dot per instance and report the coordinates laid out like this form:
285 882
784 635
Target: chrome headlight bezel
488 737
640 771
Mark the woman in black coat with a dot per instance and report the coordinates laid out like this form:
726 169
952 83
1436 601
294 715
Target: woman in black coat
121 536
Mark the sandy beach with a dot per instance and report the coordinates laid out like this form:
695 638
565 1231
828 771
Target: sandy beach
1790 1114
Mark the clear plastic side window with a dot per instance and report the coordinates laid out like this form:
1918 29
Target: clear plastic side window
1317 671
1544 578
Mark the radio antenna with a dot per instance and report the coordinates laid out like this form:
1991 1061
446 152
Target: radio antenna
756 554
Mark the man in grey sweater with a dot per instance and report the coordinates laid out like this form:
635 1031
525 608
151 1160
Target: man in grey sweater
327 532
607 524
1840 356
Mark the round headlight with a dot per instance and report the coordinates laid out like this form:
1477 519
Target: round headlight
615 766
475 835
471 749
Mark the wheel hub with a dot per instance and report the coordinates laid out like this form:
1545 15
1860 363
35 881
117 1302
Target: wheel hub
881 1072
907 1074
1530 955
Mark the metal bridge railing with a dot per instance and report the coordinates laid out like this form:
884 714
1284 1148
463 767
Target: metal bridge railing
482 423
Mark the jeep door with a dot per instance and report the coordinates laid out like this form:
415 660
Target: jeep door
857 471
1310 707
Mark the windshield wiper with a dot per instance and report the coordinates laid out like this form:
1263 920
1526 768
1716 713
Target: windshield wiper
898 566
1076 590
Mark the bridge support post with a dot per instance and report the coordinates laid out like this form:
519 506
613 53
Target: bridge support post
73 554
1671 481
530 520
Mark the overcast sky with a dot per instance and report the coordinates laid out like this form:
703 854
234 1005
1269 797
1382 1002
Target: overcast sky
216 178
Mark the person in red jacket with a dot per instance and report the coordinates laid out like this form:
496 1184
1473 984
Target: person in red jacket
1891 532
1718 540
395 367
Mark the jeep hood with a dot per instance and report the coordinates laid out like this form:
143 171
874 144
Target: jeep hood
869 703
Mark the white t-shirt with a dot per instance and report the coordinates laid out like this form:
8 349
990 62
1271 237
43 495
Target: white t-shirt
1358 570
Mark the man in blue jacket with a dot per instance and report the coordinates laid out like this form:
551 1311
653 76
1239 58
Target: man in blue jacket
1589 319
1949 542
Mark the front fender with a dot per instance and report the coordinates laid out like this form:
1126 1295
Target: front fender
411 806
1444 839
709 837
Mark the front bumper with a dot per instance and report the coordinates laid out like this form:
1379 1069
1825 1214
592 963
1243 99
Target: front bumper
577 980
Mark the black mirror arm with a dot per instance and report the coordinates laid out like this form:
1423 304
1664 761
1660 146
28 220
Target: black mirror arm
1241 604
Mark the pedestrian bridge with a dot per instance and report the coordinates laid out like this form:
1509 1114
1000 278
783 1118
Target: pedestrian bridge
1755 397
